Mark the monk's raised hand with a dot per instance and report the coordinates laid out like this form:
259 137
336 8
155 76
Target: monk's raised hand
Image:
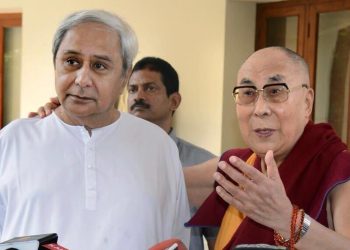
260 197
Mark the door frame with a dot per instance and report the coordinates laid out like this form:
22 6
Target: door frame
7 20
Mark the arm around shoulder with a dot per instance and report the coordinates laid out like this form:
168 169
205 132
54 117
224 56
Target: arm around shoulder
199 181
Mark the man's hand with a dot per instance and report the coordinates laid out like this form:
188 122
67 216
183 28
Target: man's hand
260 197
47 109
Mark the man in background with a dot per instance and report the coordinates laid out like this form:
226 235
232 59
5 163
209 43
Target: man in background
153 94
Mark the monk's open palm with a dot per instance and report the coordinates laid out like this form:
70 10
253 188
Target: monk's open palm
260 197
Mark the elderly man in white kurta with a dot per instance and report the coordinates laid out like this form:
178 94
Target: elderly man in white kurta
99 178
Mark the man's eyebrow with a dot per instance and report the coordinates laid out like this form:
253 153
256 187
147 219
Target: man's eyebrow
73 52
149 84
100 57
104 58
143 84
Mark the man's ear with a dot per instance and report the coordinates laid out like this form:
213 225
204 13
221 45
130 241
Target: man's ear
175 100
309 100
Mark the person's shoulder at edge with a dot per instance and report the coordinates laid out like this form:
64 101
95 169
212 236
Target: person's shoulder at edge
342 161
23 123
186 144
141 123
147 130
192 154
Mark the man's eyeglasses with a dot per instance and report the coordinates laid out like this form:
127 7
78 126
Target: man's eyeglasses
273 93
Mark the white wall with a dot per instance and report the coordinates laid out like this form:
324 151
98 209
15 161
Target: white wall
10 6
205 40
239 44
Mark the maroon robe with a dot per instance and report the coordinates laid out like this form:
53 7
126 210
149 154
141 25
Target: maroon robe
318 162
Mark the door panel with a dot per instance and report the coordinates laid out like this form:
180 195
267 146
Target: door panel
280 26
332 70
282 31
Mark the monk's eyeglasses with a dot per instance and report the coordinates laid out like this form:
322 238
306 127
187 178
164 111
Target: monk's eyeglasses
273 93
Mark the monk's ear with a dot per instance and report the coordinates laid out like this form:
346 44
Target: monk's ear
309 101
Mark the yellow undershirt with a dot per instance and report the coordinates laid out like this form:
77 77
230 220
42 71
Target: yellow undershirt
232 219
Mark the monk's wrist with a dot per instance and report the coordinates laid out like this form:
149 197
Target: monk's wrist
298 227
283 226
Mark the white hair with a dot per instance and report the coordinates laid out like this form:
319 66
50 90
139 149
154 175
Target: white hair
127 37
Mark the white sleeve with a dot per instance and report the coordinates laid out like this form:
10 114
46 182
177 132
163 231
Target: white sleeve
2 207
182 213
2 215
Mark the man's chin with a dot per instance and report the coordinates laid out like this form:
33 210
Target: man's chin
138 111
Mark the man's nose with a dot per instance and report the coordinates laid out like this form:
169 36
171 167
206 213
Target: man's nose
140 94
83 77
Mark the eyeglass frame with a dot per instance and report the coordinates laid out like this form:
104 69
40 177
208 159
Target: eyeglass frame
303 85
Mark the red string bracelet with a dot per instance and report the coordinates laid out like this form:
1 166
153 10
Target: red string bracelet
280 241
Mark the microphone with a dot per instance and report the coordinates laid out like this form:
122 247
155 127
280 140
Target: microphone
171 244
33 242
257 247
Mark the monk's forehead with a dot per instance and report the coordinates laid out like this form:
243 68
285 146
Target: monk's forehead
269 65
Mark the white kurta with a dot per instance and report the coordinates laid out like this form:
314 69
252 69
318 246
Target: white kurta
121 188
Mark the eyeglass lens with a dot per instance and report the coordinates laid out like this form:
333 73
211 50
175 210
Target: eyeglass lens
272 93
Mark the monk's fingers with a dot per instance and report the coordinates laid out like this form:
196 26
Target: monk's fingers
252 186
271 167
228 197
232 188
242 179
251 172
245 196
